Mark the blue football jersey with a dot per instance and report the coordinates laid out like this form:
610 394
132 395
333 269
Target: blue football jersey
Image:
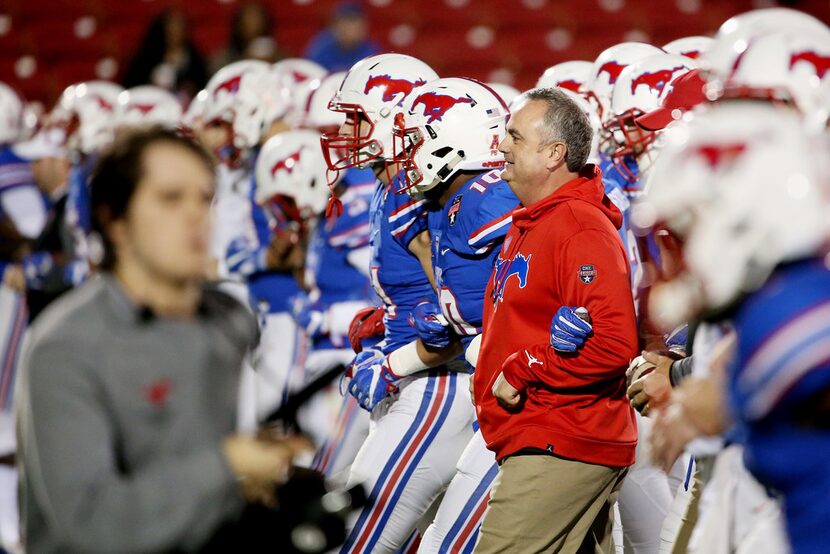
269 291
466 237
623 194
397 275
327 265
783 359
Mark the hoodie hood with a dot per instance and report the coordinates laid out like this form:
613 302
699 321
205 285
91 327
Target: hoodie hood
587 187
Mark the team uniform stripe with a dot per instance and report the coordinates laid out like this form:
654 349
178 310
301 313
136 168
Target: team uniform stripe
331 448
445 404
404 209
360 231
400 231
424 429
489 228
814 356
11 348
780 343
467 523
390 464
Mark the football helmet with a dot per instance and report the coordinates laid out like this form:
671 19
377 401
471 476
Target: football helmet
506 92
448 125
573 75
291 175
373 92
782 66
11 115
316 113
691 47
745 187
193 117
147 105
638 91
86 112
607 68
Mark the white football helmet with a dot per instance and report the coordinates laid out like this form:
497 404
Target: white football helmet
506 92
692 47
86 111
316 113
11 115
194 116
223 89
449 125
573 75
294 76
147 105
262 99
373 91
746 188
291 175
638 91
780 66
607 68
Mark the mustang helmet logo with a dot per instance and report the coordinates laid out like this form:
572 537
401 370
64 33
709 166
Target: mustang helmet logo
392 87
613 69
286 163
656 80
436 105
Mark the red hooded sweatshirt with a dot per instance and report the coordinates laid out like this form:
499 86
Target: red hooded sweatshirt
563 250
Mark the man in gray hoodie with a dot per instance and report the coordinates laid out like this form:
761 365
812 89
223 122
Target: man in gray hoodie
127 398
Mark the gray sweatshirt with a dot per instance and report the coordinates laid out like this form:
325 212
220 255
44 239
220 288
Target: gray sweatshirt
121 417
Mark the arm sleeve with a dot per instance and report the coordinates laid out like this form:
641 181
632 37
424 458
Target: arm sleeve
70 461
490 221
24 206
679 370
408 219
608 299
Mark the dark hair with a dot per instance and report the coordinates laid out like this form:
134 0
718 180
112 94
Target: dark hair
151 51
119 170
238 43
564 121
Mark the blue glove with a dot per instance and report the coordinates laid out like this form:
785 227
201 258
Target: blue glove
677 339
359 359
372 382
309 315
244 257
427 320
567 331
35 268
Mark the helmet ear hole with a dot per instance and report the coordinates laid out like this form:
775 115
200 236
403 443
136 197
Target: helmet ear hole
442 152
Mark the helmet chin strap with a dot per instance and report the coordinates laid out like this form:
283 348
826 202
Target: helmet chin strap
334 206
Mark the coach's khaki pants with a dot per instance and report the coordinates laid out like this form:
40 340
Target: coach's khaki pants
547 504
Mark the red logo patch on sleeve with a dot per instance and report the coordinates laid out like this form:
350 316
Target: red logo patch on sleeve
587 273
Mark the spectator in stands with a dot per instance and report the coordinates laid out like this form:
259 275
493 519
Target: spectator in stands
345 41
251 37
168 58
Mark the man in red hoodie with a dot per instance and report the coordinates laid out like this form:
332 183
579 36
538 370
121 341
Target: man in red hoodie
549 385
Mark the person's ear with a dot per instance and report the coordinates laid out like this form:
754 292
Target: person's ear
556 155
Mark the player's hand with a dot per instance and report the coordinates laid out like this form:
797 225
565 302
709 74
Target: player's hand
506 393
430 325
362 358
14 278
568 330
284 252
244 257
649 392
373 381
258 465
367 323
309 315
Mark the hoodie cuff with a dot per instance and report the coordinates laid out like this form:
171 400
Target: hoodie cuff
514 371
